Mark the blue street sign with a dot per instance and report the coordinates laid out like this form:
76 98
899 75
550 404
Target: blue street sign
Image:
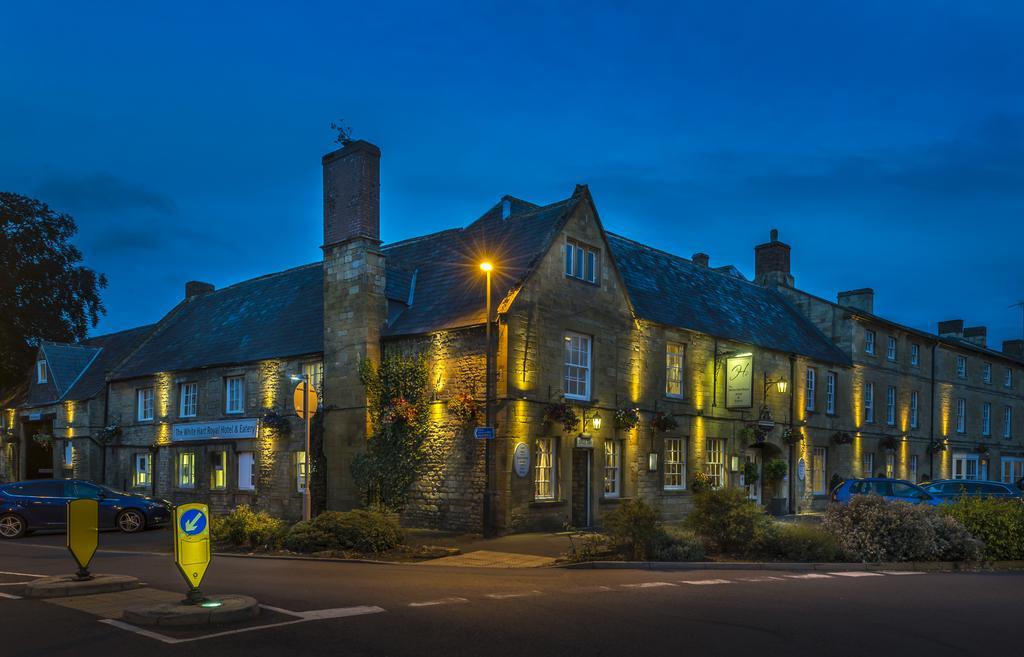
193 522
484 433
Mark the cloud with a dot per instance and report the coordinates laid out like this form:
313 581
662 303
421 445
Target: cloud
102 193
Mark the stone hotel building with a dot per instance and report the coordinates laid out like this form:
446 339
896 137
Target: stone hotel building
676 370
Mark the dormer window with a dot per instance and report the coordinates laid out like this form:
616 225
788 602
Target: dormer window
40 371
582 261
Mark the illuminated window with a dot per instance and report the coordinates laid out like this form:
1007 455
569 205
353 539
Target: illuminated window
890 349
300 471
715 466
1008 378
986 419
914 410
867 464
812 379
143 469
582 261
246 471
830 393
234 394
675 356
986 372
40 371
577 366
869 342
890 463
961 416
186 469
612 468
544 470
961 367
188 394
1007 421
890 405
915 354
144 404
966 466
218 470
69 454
675 464
869 402
912 467
314 373
819 470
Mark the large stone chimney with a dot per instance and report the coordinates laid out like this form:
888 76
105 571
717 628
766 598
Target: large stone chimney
951 328
195 288
701 259
355 308
862 299
771 262
1014 348
977 335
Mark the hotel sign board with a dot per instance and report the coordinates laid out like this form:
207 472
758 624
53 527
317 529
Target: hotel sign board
223 430
739 381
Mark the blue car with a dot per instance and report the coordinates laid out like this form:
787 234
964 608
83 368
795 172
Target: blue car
950 489
894 490
27 506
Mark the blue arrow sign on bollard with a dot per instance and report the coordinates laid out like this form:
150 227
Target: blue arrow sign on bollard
193 522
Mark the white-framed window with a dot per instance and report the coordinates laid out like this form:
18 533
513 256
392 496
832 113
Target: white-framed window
40 371
1013 469
869 341
830 393
246 471
218 470
144 404
675 356
890 349
69 454
812 386
188 394
867 464
869 402
986 419
582 262
890 405
961 367
186 469
1007 421
715 463
986 372
314 372
915 354
234 394
966 466
612 468
142 469
1008 378
961 416
544 470
819 471
914 405
675 464
577 366
912 468
299 459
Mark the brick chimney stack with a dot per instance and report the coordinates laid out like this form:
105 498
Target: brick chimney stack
977 335
1014 348
701 259
195 288
352 193
771 263
862 299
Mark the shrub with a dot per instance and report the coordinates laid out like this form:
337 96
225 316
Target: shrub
700 482
632 528
870 529
727 519
247 528
790 542
674 544
998 523
589 547
359 530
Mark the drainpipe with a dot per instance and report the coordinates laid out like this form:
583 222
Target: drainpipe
931 421
792 447
106 423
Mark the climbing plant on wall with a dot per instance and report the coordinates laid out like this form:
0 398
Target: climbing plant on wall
397 396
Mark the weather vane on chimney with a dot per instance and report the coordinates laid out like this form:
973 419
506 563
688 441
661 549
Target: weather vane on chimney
344 132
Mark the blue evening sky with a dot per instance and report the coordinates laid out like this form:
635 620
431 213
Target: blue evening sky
885 140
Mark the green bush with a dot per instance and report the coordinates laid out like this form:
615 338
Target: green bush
244 527
727 519
870 529
997 523
790 542
632 528
359 530
674 544
589 547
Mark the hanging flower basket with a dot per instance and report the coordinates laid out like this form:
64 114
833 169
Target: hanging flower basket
791 436
937 446
842 438
563 414
664 422
890 443
107 434
982 449
464 408
626 419
42 438
275 422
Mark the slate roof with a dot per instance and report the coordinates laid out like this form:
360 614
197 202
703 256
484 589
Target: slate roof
275 316
672 290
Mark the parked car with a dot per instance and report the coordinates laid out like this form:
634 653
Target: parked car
27 506
950 489
894 490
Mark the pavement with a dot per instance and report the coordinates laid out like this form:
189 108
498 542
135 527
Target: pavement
331 608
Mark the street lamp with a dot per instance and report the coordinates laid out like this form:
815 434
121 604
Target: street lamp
487 267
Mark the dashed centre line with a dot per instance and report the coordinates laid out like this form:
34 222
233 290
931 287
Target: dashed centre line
766 578
902 572
704 582
440 601
855 573
647 585
505 596
810 576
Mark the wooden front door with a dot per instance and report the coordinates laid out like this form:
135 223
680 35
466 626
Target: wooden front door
581 466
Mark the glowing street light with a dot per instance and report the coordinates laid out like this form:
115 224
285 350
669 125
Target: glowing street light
487 267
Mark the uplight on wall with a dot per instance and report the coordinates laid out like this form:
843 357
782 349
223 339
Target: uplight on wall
652 462
734 463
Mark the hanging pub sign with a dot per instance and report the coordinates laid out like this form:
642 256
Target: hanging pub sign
739 381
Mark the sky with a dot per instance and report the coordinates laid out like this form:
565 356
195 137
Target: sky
884 140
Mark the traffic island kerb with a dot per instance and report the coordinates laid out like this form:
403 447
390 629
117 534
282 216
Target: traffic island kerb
62 586
232 609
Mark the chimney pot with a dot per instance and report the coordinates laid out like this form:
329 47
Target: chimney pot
701 259
352 193
195 288
774 234
951 328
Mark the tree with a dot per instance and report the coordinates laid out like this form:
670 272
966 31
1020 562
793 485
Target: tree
45 294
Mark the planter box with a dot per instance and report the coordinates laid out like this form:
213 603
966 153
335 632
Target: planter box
778 506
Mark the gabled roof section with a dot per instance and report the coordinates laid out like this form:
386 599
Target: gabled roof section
275 316
673 291
449 287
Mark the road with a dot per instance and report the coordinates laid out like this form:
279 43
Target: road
431 610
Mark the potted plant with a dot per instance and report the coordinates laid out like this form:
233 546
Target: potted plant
700 482
664 422
562 413
626 419
774 471
750 474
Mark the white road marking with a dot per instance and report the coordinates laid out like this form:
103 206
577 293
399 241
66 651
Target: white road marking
810 576
855 573
766 578
646 585
704 582
9 596
503 596
8 572
341 612
440 601
902 572
15 583
279 610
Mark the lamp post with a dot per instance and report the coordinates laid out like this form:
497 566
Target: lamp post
488 528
